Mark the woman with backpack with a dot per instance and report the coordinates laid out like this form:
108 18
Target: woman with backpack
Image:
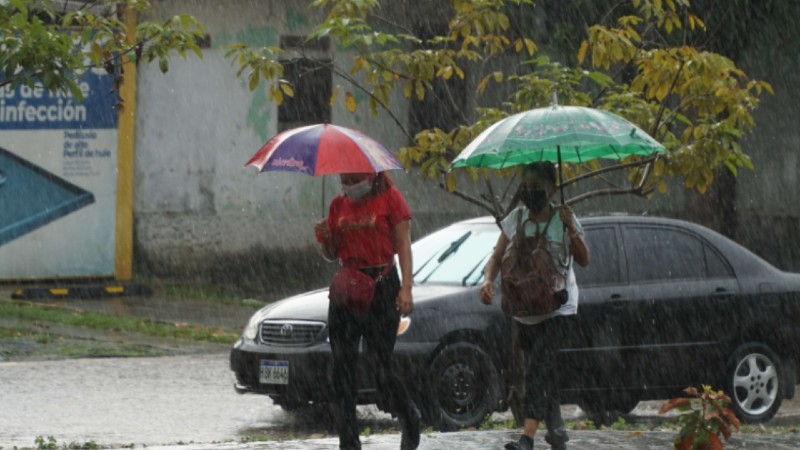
540 334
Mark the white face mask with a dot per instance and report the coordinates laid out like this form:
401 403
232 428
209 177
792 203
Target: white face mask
357 191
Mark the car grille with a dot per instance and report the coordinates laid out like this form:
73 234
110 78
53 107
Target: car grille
290 332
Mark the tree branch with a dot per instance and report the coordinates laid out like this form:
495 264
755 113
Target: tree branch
609 169
607 193
359 86
469 198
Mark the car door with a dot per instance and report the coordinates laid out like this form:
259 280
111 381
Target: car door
680 283
596 358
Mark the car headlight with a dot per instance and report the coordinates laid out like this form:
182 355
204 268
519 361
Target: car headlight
251 329
402 327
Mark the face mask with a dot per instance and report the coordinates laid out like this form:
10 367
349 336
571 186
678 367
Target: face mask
357 191
535 200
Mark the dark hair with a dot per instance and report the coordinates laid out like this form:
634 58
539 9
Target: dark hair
382 182
545 169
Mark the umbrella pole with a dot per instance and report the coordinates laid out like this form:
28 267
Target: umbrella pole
560 173
322 211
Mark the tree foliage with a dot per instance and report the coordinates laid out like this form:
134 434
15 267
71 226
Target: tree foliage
635 58
52 42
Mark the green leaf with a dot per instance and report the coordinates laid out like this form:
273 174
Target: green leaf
253 80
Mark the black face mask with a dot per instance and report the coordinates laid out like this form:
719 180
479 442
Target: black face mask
535 200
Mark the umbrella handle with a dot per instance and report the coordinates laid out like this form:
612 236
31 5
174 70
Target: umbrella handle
567 259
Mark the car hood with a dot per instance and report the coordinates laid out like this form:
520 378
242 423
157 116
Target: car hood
313 305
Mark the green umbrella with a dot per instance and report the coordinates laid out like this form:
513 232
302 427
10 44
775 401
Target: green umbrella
578 134
556 133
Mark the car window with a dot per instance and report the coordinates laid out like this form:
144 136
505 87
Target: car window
656 253
454 254
717 267
604 267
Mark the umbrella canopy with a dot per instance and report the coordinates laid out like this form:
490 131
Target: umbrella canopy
323 149
556 133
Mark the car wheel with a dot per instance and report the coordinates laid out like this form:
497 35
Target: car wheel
753 383
463 388
606 409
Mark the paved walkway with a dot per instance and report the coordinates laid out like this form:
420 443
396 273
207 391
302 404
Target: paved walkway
494 440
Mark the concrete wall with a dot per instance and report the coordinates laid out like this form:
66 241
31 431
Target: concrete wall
198 210
196 207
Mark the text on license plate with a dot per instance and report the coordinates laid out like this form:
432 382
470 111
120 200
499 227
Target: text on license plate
274 372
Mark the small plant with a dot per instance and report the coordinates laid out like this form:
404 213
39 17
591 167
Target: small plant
620 425
705 416
46 444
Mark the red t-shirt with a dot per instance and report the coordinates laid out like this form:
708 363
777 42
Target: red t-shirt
364 228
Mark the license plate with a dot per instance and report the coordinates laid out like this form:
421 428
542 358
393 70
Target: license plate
274 372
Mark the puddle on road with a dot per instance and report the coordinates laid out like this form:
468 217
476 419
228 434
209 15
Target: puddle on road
126 401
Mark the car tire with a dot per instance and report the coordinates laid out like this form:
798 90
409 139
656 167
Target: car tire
607 409
753 382
462 390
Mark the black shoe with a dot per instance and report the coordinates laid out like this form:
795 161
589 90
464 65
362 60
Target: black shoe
557 439
524 443
410 426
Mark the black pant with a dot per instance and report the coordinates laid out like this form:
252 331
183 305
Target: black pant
378 327
541 344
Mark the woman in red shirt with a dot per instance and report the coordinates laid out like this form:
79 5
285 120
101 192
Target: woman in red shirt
366 227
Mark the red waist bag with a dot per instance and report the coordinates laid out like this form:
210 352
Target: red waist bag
354 289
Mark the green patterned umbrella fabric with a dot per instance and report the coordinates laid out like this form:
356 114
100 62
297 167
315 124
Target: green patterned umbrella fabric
579 134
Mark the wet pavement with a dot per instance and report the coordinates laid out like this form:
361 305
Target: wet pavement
491 440
188 403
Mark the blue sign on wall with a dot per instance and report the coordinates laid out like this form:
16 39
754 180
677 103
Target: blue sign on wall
26 108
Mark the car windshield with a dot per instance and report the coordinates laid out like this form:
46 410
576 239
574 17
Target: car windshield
455 254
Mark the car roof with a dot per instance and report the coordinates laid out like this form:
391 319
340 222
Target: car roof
605 218
753 263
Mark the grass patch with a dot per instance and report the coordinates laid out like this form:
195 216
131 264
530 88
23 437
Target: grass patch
195 289
40 313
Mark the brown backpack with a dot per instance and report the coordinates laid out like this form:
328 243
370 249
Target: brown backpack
530 283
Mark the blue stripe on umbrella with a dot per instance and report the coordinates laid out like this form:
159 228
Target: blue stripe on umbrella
297 152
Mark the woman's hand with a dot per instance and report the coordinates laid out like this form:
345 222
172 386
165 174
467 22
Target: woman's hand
566 214
487 292
401 236
327 244
404 301
322 231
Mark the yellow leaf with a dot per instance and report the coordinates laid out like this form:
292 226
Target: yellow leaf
350 102
420 91
582 51
445 72
287 89
531 46
334 95
482 84
451 181
663 90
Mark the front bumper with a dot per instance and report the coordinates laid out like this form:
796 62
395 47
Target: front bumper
310 370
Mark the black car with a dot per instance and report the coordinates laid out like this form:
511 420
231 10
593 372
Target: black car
664 304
